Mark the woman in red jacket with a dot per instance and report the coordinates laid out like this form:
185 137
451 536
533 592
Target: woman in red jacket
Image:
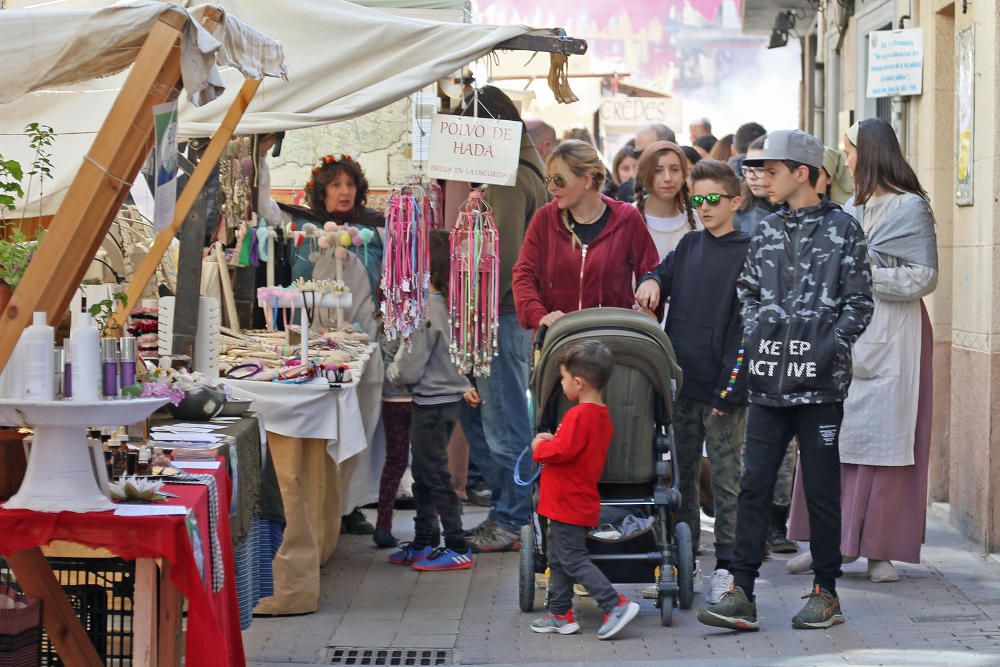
581 250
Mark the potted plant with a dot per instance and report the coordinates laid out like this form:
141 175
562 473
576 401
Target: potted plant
16 248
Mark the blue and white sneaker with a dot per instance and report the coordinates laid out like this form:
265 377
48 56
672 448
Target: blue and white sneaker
445 559
407 554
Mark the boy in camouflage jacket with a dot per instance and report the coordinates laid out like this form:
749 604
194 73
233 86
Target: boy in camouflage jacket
806 296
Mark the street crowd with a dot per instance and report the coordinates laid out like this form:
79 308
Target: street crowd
788 276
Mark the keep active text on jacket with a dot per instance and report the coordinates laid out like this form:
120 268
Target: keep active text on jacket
806 297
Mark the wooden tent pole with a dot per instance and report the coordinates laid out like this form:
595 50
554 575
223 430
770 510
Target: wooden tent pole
85 215
191 191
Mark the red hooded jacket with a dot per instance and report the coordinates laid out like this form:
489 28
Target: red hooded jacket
554 273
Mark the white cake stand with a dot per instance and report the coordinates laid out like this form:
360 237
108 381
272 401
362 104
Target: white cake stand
60 476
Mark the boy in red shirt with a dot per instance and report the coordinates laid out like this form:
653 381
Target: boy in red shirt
573 460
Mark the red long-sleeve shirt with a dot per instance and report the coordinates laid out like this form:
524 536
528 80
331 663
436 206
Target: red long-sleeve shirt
573 462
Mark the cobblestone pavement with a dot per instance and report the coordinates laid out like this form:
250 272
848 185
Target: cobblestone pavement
946 611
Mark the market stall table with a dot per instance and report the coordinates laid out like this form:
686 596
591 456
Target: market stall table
213 633
257 515
312 429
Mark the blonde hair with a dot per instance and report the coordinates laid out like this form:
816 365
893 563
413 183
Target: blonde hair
582 159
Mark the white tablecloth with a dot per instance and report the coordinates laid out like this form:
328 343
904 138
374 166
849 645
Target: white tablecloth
349 419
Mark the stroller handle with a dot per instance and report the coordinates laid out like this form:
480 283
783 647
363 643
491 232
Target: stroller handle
536 347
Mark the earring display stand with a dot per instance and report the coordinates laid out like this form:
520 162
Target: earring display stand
60 474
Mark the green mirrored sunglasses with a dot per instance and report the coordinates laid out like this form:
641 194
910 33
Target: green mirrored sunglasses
558 180
713 199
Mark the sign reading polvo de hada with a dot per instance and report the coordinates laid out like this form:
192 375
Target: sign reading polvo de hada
477 150
895 62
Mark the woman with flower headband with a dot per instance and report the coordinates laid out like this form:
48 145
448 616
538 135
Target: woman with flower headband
337 191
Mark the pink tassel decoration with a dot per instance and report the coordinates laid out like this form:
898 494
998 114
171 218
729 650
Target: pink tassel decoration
474 287
406 270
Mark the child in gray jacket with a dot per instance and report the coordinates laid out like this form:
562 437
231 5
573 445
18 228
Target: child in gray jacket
438 388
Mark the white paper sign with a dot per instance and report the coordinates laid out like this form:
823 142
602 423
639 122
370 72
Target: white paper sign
477 150
895 62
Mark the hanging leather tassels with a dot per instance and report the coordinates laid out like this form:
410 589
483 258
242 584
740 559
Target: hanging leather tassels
474 287
559 79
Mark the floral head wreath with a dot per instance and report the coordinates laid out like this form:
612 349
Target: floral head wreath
326 160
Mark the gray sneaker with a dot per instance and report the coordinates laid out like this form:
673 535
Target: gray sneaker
822 610
495 538
563 625
618 618
734 612
488 524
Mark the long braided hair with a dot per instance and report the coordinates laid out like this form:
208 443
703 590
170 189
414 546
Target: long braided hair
646 172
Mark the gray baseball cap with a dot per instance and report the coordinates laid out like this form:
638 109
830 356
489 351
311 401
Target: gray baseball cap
793 145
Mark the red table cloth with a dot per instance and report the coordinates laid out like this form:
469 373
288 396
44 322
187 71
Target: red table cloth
213 627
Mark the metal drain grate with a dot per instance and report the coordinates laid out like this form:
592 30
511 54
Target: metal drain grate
349 655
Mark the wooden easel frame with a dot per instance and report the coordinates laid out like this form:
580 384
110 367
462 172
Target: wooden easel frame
73 238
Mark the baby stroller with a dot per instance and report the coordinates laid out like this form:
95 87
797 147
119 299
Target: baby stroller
639 398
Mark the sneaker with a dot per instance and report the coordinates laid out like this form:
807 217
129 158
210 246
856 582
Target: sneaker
488 524
356 523
822 610
384 539
801 564
495 538
778 540
618 618
718 585
443 559
882 571
479 494
564 624
734 612
407 554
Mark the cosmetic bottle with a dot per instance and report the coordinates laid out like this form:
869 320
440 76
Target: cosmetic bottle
85 354
39 358
126 361
109 367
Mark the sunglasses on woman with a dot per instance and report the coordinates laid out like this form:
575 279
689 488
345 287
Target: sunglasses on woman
558 180
713 199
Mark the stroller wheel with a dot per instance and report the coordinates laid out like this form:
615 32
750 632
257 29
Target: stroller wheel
685 565
666 605
526 584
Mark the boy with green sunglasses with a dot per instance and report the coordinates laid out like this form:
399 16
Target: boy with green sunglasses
704 325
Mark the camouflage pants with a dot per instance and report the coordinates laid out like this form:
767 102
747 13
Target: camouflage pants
693 425
786 475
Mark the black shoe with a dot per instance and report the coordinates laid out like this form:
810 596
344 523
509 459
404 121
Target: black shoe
777 538
383 539
356 523
479 494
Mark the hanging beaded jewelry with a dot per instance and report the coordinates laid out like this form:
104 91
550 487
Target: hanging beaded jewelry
405 262
474 287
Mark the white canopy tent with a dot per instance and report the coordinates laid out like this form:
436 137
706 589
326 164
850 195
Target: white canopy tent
343 60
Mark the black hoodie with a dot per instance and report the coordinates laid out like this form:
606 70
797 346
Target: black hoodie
703 322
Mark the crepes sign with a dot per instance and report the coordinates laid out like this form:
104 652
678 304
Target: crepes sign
477 150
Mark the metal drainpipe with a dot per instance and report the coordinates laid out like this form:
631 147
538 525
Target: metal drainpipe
819 76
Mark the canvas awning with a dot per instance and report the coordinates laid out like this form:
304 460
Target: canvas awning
343 60
57 47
